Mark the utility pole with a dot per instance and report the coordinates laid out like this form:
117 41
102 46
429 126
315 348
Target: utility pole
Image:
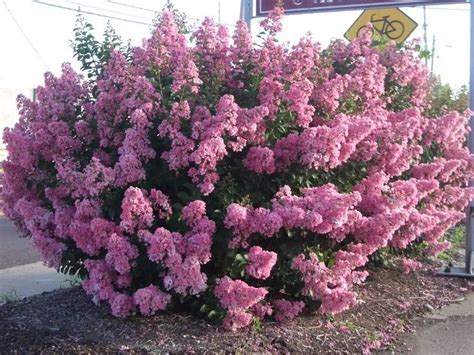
425 34
433 55
219 12
468 269
246 12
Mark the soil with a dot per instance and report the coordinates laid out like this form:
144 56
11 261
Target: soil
66 320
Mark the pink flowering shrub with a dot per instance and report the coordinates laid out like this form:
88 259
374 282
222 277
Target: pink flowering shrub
243 181
410 265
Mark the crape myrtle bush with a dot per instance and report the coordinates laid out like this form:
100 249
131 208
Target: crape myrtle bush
243 181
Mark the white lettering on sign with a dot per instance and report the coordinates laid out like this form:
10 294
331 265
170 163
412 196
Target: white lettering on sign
297 2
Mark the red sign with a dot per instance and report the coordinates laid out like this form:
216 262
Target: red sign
264 6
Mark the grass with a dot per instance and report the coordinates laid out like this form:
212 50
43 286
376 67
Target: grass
457 237
351 326
71 281
8 297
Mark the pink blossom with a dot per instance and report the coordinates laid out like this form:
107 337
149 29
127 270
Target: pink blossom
150 300
237 295
186 277
272 23
99 283
337 301
285 310
161 202
261 310
261 262
122 305
194 211
121 254
237 319
137 210
410 265
260 160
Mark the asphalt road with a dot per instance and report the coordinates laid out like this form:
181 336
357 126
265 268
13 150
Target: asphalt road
14 251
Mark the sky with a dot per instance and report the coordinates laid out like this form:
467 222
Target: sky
39 40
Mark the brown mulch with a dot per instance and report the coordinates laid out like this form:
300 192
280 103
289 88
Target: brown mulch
66 321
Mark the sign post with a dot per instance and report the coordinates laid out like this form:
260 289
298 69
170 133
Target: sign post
246 12
468 270
306 6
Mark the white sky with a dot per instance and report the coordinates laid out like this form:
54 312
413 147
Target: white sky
50 30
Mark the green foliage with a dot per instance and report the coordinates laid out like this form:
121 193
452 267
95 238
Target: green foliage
180 18
457 237
385 257
9 297
444 99
72 262
92 53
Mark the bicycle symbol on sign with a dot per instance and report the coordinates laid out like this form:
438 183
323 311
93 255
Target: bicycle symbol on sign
391 29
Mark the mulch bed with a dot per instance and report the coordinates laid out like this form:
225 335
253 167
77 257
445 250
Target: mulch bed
67 321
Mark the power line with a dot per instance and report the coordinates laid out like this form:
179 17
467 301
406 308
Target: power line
157 11
25 35
133 6
443 9
78 10
80 4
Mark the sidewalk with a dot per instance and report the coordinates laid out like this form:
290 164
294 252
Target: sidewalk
28 280
22 274
14 251
447 331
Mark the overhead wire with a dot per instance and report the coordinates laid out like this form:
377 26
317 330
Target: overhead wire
157 11
82 5
33 47
79 10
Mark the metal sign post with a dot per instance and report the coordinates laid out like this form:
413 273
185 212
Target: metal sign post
468 270
470 235
246 12
306 6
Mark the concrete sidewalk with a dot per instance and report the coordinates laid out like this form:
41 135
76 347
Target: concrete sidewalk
14 251
447 331
21 272
28 280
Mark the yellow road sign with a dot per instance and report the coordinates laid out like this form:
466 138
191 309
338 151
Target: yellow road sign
390 23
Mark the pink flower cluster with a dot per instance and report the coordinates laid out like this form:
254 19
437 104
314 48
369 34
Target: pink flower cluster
261 262
287 310
150 300
300 160
237 298
332 285
183 255
321 210
410 265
